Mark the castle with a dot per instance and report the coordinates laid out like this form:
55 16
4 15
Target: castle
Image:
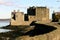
39 14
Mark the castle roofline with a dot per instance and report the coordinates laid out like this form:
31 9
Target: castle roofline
38 7
41 7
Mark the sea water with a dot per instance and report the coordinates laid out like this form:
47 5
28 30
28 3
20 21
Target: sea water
3 24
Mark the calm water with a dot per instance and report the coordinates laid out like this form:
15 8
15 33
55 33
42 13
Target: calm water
4 23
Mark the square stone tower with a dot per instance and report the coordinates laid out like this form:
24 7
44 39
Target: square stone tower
41 13
17 18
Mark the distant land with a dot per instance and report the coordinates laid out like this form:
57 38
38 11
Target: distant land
4 19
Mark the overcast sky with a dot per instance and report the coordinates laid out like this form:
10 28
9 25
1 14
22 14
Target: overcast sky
7 6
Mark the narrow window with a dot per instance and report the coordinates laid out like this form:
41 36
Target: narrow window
26 17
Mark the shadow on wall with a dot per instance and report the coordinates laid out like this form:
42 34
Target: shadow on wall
40 29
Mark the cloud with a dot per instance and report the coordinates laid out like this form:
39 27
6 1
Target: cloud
6 3
12 3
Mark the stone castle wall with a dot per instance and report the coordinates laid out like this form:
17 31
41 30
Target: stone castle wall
20 19
42 15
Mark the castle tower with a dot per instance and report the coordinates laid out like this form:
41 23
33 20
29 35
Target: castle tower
17 18
41 13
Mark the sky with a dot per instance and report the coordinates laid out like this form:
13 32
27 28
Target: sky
7 6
